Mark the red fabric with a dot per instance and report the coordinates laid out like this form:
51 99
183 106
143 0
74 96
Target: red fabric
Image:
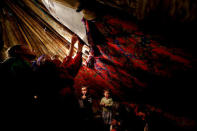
68 71
57 62
88 77
126 52
72 65
66 61
127 62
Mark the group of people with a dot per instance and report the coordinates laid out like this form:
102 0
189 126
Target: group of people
106 103
114 118
46 80
27 80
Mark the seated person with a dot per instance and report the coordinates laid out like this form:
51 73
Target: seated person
17 75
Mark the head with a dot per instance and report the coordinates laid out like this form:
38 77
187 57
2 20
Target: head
107 93
55 57
43 59
21 51
35 97
84 90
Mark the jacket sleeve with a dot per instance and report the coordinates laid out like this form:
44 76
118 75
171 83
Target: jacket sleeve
110 103
73 65
101 101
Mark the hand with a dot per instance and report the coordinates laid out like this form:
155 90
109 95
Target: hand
74 39
80 46
102 104
83 97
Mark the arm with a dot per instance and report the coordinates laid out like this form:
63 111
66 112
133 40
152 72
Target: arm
73 65
73 41
80 46
102 102
68 61
110 103
90 100
77 61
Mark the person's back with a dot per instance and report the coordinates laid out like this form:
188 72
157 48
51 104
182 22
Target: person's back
16 77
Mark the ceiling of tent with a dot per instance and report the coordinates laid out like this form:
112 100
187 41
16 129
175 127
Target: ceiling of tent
68 17
29 22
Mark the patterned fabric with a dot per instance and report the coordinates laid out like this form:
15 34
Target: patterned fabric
72 65
68 70
124 56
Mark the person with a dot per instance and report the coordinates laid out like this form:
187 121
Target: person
47 79
70 67
17 74
66 94
85 103
56 80
106 103
56 60
40 61
85 108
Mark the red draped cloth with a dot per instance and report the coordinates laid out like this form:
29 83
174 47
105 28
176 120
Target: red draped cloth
124 57
68 71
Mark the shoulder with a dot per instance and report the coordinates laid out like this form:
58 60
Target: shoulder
8 62
102 98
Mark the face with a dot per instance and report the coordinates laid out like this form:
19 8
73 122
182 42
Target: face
106 94
35 97
84 90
